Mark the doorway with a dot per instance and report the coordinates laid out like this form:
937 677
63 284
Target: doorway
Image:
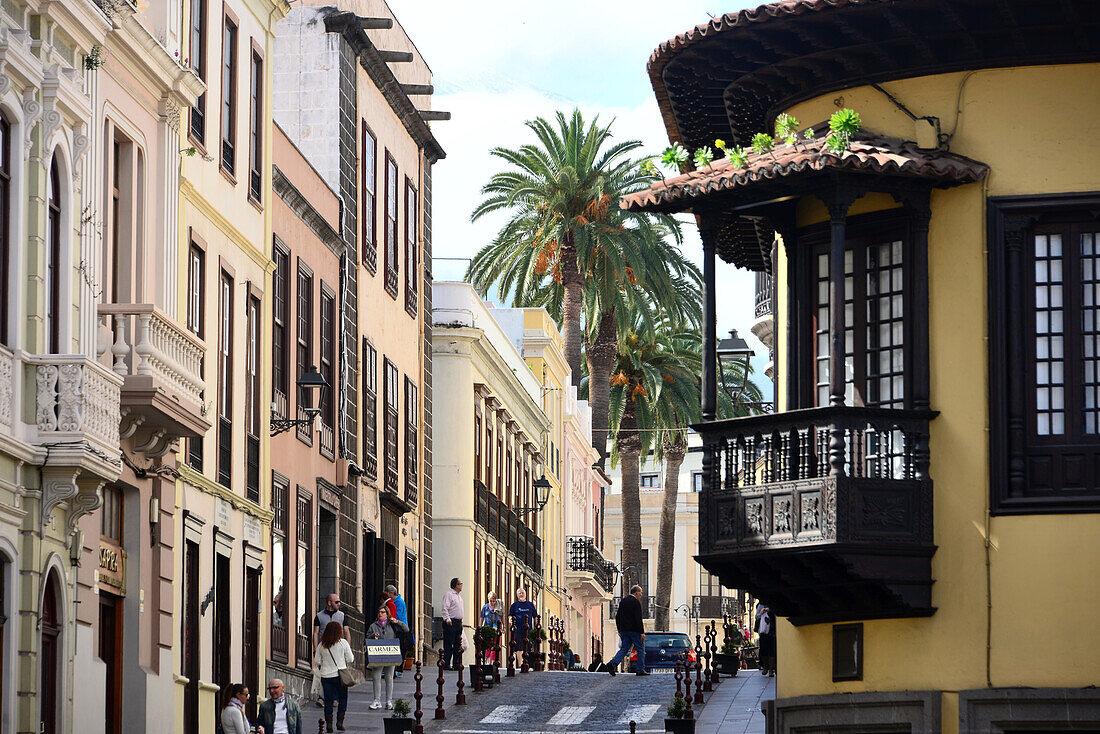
110 652
250 640
327 579
50 647
190 634
222 635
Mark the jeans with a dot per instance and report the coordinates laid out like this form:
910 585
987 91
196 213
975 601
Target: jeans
628 640
335 691
382 678
452 646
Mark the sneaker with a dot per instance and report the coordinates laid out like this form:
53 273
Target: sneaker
611 671
397 674
375 706
389 705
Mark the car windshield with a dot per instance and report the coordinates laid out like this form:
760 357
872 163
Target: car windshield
667 640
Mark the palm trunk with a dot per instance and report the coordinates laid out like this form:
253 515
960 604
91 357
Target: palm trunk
675 451
573 283
601 357
630 449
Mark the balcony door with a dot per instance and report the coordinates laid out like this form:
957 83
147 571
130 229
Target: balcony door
49 650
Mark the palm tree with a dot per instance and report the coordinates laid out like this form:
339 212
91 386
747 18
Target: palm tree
570 248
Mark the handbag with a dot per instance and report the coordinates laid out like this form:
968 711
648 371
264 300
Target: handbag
346 676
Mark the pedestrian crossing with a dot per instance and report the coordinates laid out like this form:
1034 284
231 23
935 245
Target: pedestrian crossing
568 715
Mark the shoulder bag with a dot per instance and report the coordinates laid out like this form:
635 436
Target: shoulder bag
346 676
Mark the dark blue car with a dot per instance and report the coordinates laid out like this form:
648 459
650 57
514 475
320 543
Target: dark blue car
663 650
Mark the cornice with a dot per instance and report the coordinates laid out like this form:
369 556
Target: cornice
203 484
193 196
305 211
151 63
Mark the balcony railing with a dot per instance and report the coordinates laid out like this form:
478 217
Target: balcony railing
507 528
7 389
825 513
714 607
327 440
764 292
585 557
76 398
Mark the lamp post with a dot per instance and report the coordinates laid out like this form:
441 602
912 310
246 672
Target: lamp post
311 384
542 496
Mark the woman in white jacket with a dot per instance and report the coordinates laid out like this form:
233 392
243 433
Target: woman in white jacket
333 655
233 719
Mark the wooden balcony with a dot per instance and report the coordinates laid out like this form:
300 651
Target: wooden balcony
825 513
161 365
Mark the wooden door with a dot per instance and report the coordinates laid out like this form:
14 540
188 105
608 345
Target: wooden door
250 641
48 651
110 652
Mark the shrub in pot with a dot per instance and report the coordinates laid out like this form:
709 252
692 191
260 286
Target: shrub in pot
400 721
675 723
728 661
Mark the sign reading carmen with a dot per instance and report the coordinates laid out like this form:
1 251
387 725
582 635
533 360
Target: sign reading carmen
381 653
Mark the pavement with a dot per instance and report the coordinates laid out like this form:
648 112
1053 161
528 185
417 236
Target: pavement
553 702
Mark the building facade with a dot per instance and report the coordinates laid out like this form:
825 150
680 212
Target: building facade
928 472
489 406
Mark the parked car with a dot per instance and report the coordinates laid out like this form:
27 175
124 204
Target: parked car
663 650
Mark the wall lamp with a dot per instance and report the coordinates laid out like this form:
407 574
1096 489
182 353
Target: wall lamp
311 384
542 496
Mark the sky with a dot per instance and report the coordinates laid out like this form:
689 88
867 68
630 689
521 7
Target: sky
498 63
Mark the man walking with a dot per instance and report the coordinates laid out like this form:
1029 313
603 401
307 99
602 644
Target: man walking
628 620
279 714
400 611
524 617
452 626
331 613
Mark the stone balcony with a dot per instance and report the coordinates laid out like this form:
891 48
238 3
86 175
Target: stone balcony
587 572
161 366
825 513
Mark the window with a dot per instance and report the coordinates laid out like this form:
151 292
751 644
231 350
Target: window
198 65
255 126
53 262
196 289
1045 354
391 225
303 581
697 481
225 381
280 290
412 239
370 410
305 341
708 584
5 233
412 411
252 400
392 386
369 186
229 95
477 445
110 523
489 451
124 253
650 481
501 494
280 492
328 354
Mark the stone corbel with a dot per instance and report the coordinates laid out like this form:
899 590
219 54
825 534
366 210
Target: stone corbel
81 143
5 77
32 113
88 499
155 443
60 484
51 116
170 113
131 422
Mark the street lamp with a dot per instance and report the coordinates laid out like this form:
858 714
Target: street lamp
542 496
729 351
311 385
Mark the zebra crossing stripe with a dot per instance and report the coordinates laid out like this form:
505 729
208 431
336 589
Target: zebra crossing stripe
570 715
639 714
505 715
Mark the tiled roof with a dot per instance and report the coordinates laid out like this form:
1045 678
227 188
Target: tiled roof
869 153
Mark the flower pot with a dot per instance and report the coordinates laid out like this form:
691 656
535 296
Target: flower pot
727 664
395 725
680 726
408 665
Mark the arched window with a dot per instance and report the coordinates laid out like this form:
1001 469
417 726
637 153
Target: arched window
5 228
53 262
49 652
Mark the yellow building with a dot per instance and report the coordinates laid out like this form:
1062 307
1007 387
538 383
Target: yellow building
931 472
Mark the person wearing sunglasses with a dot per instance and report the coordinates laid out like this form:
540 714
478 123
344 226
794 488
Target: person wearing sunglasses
279 714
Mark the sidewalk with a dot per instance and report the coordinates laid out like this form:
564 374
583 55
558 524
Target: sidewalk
734 707
360 718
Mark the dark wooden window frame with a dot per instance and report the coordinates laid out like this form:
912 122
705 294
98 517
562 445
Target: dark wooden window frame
225 376
112 514
231 28
368 214
280 505
196 288
327 353
200 13
845 668
412 411
391 408
303 313
370 409
5 228
280 315
253 372
390 214
256 124
477 444
1011 223
412 243
53 259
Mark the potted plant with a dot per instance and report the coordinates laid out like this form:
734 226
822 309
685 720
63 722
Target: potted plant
728 661
675 722
400 722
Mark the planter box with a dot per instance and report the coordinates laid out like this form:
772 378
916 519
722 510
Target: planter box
398 726
680 726
727 664
408 665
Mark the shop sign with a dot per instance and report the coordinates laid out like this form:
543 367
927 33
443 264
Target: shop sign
112 567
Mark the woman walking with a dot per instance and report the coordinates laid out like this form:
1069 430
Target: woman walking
384 628
233 719
333 655
491 613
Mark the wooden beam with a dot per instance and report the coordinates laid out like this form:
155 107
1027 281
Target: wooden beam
395 57
434 115
418 89
376 24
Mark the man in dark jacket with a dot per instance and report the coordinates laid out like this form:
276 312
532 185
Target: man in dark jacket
628 620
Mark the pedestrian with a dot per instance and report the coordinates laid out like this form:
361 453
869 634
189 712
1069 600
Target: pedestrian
384 628
628 621
333 655
233 719
765 627
330 613
279 714
400 611
490 617
524 617
452 626
596 666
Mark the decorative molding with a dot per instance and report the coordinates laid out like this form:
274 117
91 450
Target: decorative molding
305 211
32 113
203 484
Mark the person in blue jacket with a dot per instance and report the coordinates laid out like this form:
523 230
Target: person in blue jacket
524 616
401 614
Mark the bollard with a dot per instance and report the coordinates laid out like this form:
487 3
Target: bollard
526 667
679 677
439 712
687 682
701 654
698 670
633 727
478 664
511 647
688 714
555 644
418 714
320 726
460 697
497 662
712 655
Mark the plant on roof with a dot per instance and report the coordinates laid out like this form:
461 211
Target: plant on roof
674 156
842 125
762 143
720 144
94 59
703 156
649 168
739 157
786 128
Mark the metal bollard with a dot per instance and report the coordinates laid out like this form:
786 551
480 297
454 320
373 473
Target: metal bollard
688 714
320 726
440 714
460 697
511 648
687 682
633 727
478 664
418 714
712 657
679 677
702 655
698 670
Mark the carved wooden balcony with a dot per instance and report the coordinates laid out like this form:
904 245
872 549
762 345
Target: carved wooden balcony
825 513
161 364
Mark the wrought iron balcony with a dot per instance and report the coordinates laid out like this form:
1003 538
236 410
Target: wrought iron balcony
714 607
824 513
764 291
587 570
161 365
